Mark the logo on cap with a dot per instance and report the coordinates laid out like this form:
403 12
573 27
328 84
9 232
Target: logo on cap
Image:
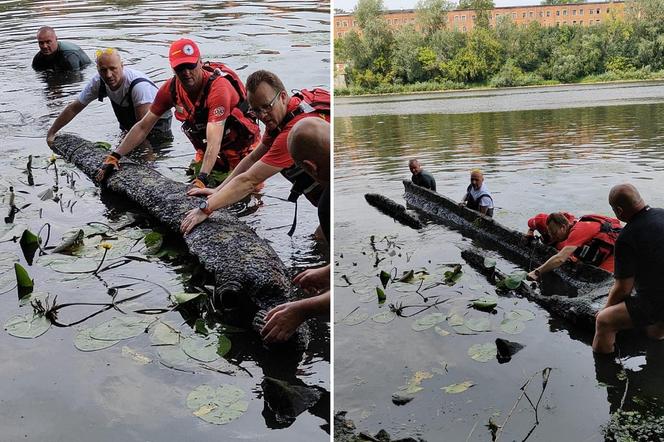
188 50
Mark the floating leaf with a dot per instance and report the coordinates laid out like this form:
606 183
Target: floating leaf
489 263
453 276
163 334
123 327
25 284
29 244
223 345
520 315
441 331
219 405
512 326
136 356
201 348
427 321
357 317
103 144
413 385
27 326
483 352
381 295
408 276
485 303
384 317
173 356
84 342
458 388
513 281
153 241
455 319
478 324
181 298
384 278
71 242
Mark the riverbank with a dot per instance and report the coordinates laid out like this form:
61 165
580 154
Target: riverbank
482 100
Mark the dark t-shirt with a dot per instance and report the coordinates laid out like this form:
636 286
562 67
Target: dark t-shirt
424 179
68 57
640 253
324 212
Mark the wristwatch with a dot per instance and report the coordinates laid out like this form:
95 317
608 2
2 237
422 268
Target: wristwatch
205 207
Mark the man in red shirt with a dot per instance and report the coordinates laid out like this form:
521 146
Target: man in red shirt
579 241
208 105
538 224
279 112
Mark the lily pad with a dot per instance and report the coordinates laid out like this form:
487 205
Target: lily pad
520 315
451 277
413 385
27 326
441 331
164 334
485 303
483 352
455 319
355 318
489 263
172 356
384 317
513 281
84 342
427 321
123 327
201 348
153 241
217 405
181 298
223 345
458 388
511 326
478 324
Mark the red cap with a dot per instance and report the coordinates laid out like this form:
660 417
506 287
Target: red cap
183 51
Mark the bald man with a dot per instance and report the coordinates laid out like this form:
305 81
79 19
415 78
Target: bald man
420 176
130 92
57 55
309 146
477 196
639 260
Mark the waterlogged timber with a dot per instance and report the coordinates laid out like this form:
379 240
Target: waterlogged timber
393 209
245 267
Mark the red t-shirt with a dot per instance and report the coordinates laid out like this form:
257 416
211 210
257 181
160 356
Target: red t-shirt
582 233
277 155
221 100
538 223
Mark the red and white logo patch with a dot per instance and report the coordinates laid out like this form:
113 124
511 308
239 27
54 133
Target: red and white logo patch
219 111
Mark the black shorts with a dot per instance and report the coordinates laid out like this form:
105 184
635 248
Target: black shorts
643 311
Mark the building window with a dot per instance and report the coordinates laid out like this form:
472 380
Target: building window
463 18
345 23
590 12
565 12
607 10
558 12
573 11
557 23
580 11
596 21
514 15
574 22
541 14
548 13
598 10
531 13
474 17
456 18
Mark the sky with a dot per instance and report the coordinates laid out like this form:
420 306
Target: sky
348 5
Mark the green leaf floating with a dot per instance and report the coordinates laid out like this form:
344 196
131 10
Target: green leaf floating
483 352
164 334
123 327
513 281
384 278
172 356
223 345
427 321
511 326
478 324
25 284
458 388
27 326
381 295
489 263
201 348
453 276
181 298
84 342
103 144
217 405
455 319
520 315
485 303
357 317
408 276
384 317
153 241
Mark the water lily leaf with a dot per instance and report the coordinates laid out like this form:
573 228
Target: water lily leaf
136 356
123 327
455 319
381 295
413 385
520 315
223 345
458 388
27 326
513 281
23 280
441 331
153 241
29 244
164 334
384 317
172 356
103 144
408 276
489 263
84 342
71 242
181 298
357 317
427 321
478 324
483 352
201 348
451 277
512 326
485 303
384 278
217 405
463 330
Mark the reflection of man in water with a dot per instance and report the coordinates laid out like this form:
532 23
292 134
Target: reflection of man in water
131 93
309 146
420 176
57 55
639 260
477 196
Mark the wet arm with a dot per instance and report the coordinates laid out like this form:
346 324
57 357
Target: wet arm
141 110
137 134
242 185
246 163
214 133
557 260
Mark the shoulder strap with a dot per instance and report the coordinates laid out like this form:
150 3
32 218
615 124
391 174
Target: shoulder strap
102 90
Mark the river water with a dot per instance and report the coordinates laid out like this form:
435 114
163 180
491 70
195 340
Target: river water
534 161
52 391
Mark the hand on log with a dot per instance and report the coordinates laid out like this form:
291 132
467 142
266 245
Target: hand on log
193 218
314 280
534 275
282 321
111 164
50 139
197 191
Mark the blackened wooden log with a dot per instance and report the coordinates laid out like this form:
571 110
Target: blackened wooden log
392 209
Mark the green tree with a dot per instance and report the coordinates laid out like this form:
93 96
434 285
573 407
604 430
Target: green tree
482 10
561 2
407 63
367 11
432 15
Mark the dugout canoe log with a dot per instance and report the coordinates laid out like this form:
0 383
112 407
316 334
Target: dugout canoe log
488 233
248 272
393 209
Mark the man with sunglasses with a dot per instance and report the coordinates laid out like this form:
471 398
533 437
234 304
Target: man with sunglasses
131 94
279 112
209 105
57 55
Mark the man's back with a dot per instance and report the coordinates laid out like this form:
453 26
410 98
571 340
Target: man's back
68 57
424 179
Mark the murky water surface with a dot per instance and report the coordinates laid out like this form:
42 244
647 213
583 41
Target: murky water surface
534 161
52 391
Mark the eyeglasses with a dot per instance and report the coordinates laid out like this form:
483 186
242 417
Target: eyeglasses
188 66
107 51
264 109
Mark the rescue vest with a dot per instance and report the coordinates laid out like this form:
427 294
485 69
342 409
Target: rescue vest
241 128
126 116
602 245
315 102
474 204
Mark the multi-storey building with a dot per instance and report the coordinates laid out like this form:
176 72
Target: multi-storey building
573 14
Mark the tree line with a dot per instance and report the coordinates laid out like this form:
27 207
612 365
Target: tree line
430 56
